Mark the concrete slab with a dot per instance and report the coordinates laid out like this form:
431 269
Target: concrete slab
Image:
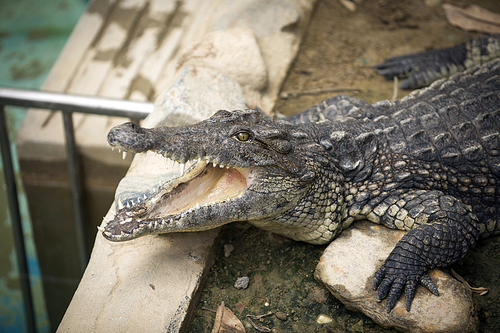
147 285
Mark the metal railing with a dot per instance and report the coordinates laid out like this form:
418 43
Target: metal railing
68 104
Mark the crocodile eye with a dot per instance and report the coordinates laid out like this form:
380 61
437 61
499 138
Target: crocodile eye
243 136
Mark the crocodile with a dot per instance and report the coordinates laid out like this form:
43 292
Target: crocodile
428 164
422 68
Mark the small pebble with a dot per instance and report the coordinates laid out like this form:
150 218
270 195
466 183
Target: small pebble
242 283
322 319
281 315
228 248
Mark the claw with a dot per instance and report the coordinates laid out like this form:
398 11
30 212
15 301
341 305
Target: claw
426 281
384 289
410 288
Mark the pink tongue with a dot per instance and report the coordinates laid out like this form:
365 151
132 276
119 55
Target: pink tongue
228 185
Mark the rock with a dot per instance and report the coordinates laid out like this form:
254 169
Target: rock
194 96
281 315
242 283
232 52
228 248
278 26
347 268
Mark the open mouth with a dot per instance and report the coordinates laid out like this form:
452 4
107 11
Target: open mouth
204 184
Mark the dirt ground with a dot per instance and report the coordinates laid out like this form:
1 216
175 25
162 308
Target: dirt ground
337 51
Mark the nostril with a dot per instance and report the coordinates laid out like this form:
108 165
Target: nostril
133 126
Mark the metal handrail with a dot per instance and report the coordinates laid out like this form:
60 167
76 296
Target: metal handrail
74 103
68 104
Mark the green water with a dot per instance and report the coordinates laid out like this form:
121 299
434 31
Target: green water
32 33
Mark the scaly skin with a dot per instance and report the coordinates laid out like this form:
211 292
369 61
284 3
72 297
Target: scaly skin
428 164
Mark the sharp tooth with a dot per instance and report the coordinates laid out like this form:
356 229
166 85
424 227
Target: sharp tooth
105 219
119 150
197 205
120 204
227 166
145 197
126 220
101 229
215 164
135 231
199 159
221 166
182 167
107 233
124 154
112 148
207 161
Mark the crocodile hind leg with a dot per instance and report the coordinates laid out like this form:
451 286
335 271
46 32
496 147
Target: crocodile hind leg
423 68
452 231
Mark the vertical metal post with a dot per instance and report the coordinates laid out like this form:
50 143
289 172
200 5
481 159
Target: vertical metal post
17 228
76 189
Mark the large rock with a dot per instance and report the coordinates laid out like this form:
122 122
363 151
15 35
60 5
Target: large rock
196 95
233 52
347 268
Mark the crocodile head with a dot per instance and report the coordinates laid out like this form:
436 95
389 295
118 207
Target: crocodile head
246 167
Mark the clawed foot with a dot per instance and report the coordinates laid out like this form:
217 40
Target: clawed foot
397 275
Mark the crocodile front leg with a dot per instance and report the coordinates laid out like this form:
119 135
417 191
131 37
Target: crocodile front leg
451 233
